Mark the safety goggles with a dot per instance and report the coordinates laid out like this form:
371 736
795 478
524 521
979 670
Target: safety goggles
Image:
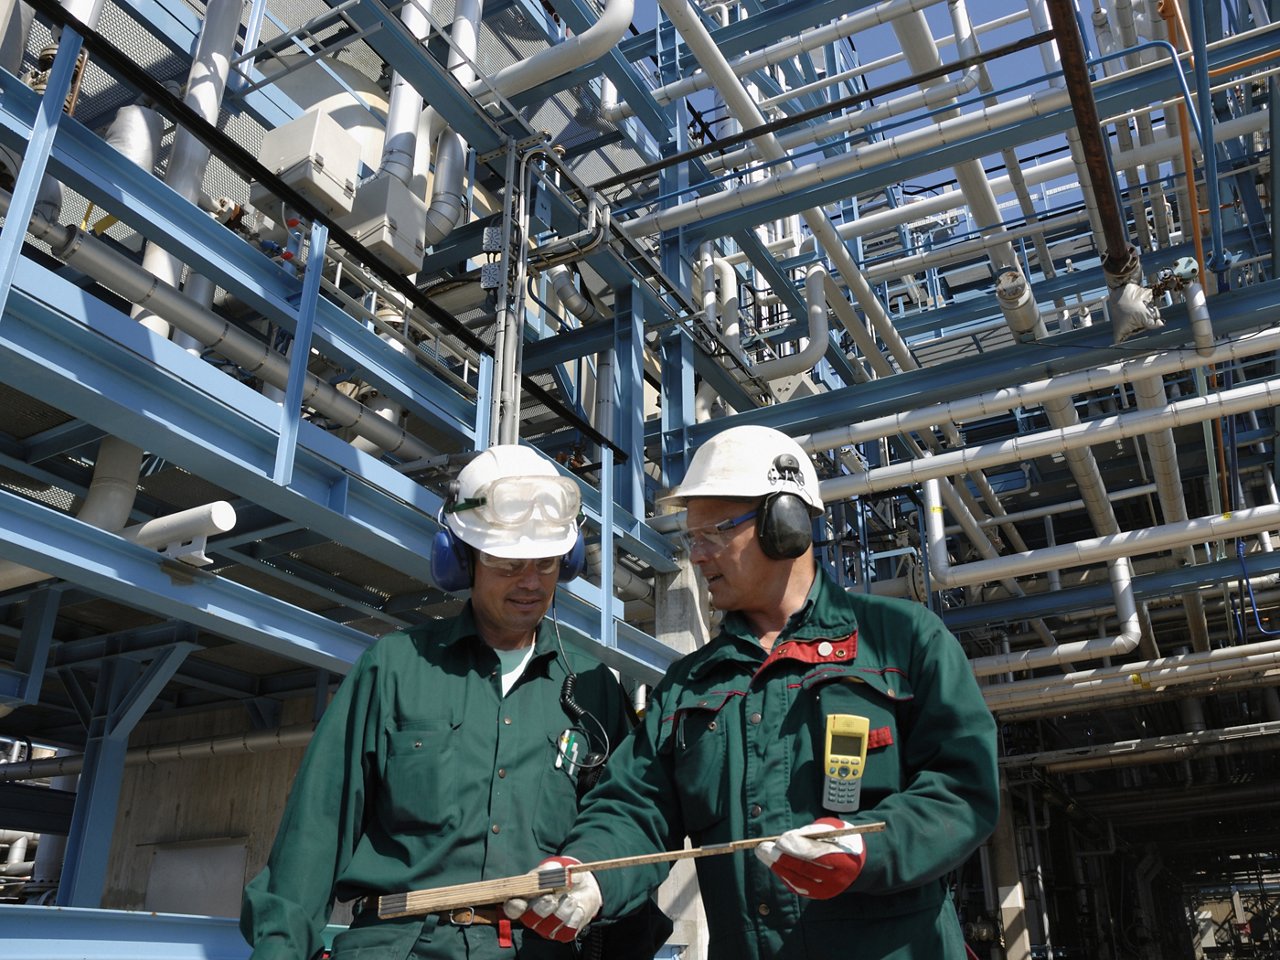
514 501
514 566
713 537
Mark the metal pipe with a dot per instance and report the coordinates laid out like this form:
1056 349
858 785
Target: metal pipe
262 741
1121 574
1005 399
744 108
812 349
1043 443
1128 543
404 106
120 274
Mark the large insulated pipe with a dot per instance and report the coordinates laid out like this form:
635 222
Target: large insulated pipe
570 297
107 505
1000 401
1128 543
1121 573
1196 409
578 50
1223 664
189 157
450 150
1162 454
404 106
262 741
814 347
120 274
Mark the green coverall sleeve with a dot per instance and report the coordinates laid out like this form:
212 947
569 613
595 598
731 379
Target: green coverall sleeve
950 797
632 810
286 907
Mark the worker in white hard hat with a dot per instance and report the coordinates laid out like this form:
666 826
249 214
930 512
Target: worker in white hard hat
811 710
455 750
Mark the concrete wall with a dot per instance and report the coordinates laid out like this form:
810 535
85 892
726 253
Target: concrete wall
183 821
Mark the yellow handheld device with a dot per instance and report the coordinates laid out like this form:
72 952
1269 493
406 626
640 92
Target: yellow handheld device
843 762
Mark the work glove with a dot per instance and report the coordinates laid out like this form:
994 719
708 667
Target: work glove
559 916
815 868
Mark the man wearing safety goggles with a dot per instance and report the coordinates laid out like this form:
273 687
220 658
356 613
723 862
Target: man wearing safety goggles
457 750
811 710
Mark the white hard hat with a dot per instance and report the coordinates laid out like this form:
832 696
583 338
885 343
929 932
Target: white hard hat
512 502
750 461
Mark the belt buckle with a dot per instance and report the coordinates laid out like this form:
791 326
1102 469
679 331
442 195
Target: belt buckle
462 916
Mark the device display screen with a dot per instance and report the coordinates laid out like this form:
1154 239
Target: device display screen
846 746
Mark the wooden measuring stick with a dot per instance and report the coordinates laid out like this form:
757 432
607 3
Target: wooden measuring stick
551 879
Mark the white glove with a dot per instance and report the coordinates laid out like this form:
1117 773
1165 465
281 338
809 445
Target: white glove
815 868
559 916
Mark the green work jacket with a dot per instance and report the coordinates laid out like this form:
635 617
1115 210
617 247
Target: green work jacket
421 774
731 747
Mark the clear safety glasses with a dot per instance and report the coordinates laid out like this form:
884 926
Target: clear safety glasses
713 537
513 566
515 501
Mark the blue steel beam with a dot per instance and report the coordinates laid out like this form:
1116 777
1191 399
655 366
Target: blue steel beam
1234 312
125 690
22 684
170 409
109 566
75 353
1151 586
44 127
627 396
177 27
42 933
89 165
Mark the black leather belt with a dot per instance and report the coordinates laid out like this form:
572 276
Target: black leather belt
487 916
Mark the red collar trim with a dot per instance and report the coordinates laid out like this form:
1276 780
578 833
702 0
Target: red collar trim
814 651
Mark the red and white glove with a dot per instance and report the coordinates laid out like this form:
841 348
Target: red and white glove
815 868
558 916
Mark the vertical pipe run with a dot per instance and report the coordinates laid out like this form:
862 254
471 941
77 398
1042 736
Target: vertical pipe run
1204 106
1071 47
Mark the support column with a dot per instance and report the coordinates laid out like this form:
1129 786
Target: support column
1008 879
125 690
627 387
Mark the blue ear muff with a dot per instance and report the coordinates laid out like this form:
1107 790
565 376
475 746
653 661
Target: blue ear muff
571 563
450 562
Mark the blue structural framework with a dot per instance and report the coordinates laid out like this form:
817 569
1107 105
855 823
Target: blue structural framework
70 346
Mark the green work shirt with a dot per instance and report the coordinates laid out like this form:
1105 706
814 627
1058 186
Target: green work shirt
422 774
732 745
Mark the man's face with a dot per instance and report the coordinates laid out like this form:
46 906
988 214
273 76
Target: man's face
508 605
731 561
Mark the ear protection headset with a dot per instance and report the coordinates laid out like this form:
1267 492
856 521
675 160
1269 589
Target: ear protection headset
451 566
784 528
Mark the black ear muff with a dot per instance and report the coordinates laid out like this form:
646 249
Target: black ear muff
571 563
784 528
450 562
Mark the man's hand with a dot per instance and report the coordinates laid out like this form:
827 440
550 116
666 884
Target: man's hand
815 868
558 916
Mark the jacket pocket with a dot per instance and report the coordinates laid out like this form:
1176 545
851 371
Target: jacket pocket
555 807
415 789
700 745
884 699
